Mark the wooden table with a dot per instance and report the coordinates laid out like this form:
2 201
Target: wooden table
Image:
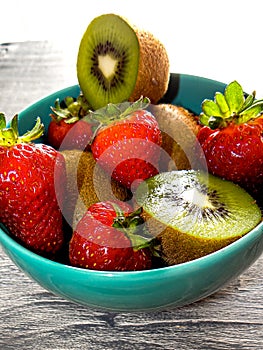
32 318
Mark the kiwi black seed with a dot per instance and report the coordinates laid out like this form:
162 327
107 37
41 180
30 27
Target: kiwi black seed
194 213
114 61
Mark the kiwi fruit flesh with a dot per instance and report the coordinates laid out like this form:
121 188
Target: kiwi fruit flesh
194 213
117 62
179 128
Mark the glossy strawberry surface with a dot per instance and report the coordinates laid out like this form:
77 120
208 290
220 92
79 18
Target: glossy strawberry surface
236 153
232 138
129 148
67 129
62 135
28 200
96 244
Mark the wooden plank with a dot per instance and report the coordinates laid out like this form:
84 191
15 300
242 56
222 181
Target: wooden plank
30 71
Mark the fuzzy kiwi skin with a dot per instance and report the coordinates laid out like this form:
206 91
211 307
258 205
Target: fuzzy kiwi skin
154 68
80 167
177 247
77 163
179 128
95 188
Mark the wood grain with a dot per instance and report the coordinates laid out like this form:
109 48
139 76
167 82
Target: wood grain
32 318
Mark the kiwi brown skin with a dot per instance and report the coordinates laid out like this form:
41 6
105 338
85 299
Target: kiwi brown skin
81 191
177 247
179 128
154 68
77 163
97 186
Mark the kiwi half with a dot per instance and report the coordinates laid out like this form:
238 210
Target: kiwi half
194 213
117 62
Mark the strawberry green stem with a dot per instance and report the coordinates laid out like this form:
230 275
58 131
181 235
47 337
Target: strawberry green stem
230 107
70 109
9 136
113 112
133 227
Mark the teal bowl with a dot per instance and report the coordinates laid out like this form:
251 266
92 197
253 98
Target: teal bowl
154 289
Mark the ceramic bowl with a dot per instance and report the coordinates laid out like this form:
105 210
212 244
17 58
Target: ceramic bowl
145 290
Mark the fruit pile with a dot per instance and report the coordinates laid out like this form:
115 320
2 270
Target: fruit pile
125 182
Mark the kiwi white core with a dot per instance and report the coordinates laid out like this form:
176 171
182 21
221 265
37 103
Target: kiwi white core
197 198
107 65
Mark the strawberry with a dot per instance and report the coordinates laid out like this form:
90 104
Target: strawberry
106 239
67 119
127 143
29 201
232 137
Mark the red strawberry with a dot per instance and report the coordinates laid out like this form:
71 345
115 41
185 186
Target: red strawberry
78 134
67 119
232 138
128 143
105 240
29 206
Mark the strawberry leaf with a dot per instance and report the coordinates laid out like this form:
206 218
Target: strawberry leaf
222 104
142 103
232 106
254 111
248 102
234 97
113 112
60 113
211 108
14 126
70 109
204 119
34 133
68 100
2 121
133 228
9 136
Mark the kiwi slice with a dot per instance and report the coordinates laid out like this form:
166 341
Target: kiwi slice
117 62
194 213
